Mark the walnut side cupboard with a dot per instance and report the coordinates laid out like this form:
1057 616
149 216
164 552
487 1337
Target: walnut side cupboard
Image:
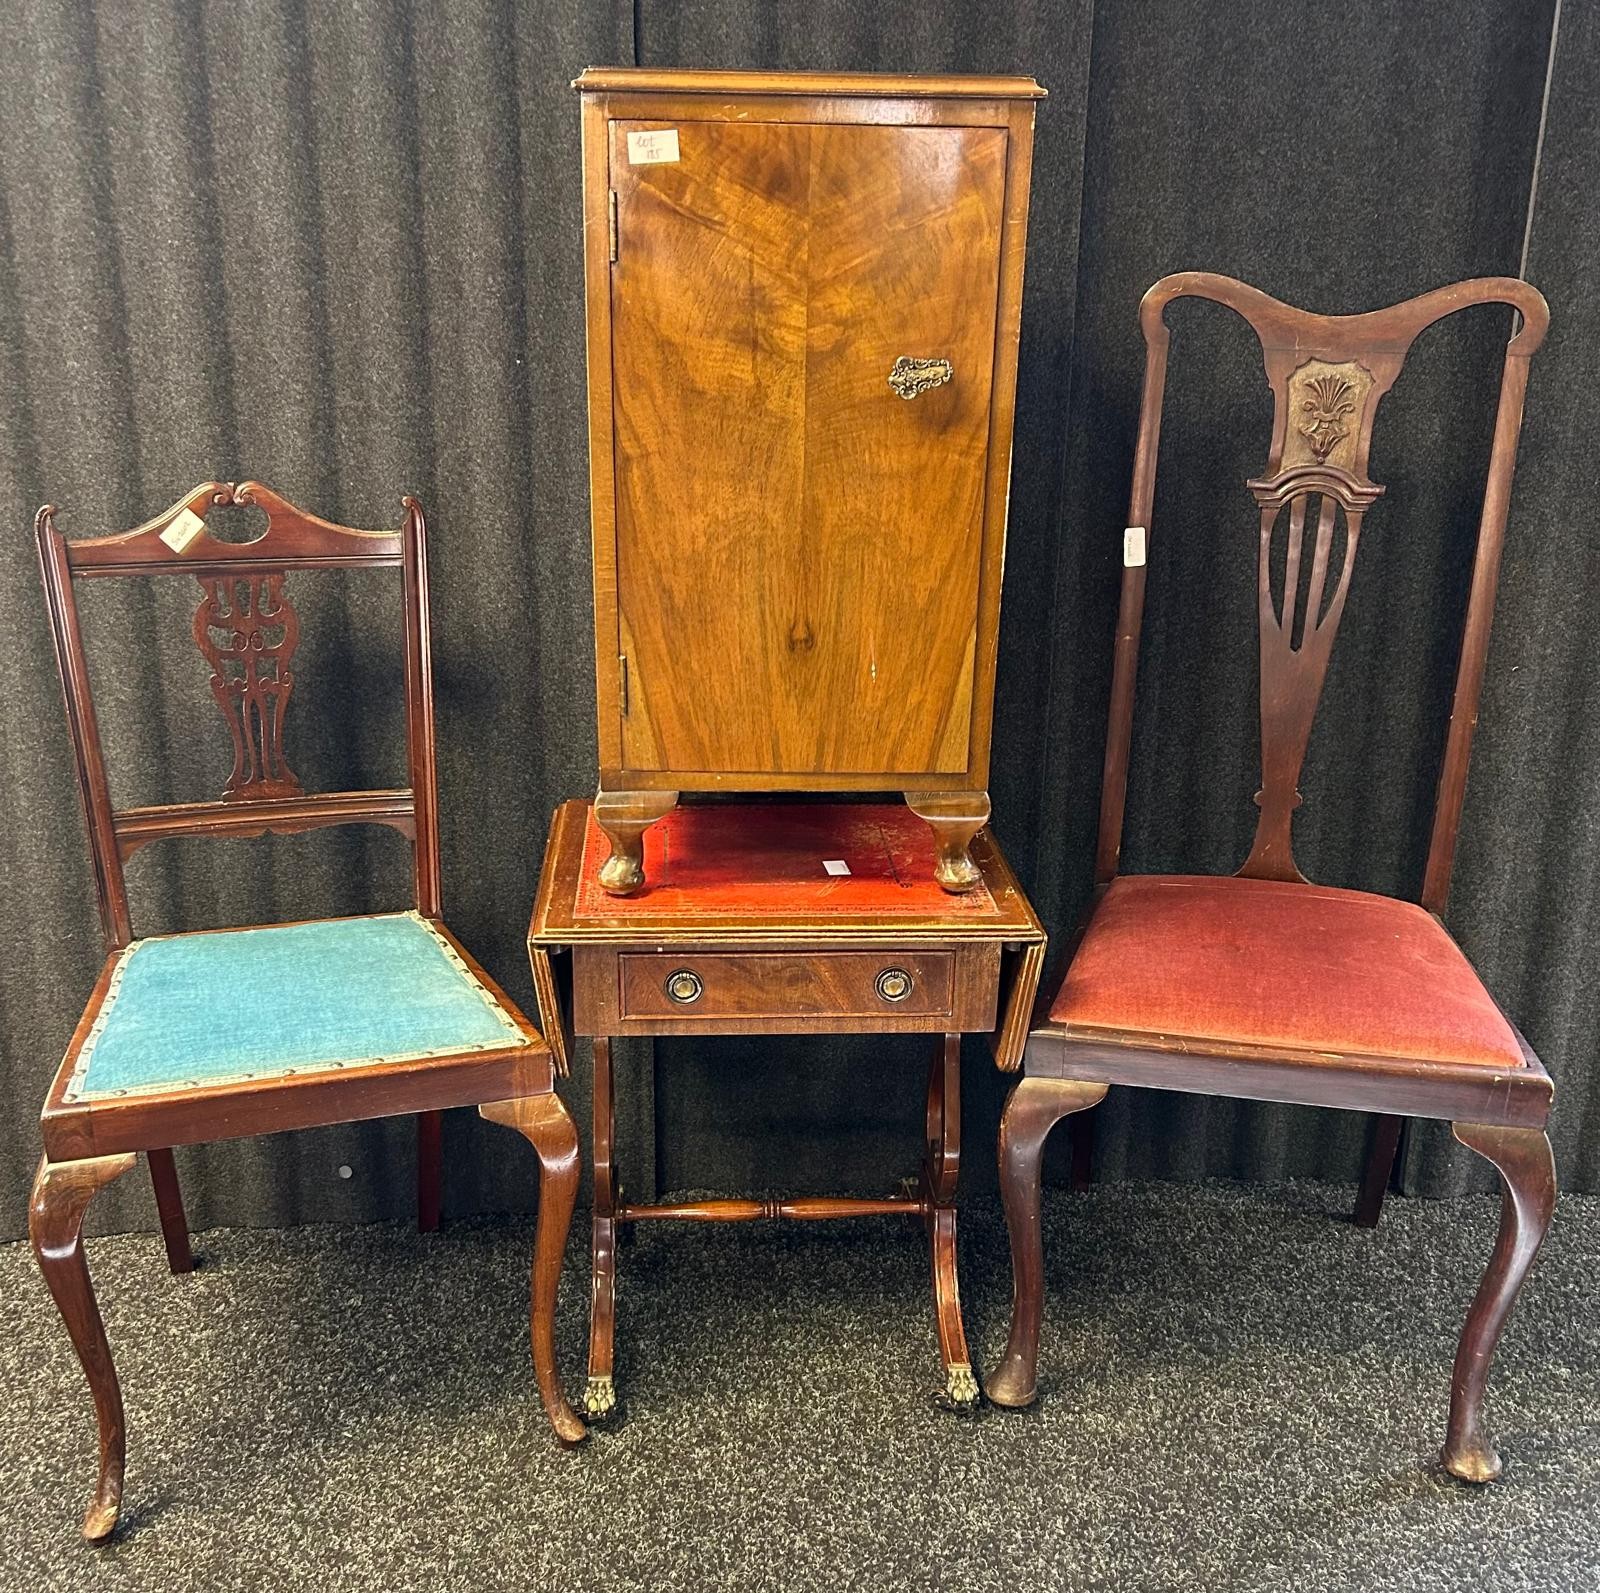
803 302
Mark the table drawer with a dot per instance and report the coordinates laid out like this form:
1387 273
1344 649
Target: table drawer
756 985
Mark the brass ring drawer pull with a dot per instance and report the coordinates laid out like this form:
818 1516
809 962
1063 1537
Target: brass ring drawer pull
909 377
894 984
683 986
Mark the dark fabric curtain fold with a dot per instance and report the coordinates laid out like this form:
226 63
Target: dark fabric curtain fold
338 248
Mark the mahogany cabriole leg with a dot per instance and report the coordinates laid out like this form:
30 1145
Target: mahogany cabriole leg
600 1393
625 816
941 1172
1528 1170
1380 1167
430 1159
1035 1106
61 1194
169 1207
955 817
543 1121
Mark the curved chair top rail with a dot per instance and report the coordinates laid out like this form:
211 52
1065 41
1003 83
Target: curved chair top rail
1328 374
178 541
1395 328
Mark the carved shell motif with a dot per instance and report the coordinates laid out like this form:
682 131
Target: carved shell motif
1326 403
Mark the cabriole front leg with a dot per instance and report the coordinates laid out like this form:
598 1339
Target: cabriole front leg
1035 1106
544 1122
1528 1171
61 1195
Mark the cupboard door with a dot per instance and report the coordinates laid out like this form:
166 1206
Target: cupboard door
799 547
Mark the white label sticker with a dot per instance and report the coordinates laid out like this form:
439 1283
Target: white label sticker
835 866
653 149
1133 546
183 530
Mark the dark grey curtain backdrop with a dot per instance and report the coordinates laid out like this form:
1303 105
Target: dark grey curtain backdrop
336 247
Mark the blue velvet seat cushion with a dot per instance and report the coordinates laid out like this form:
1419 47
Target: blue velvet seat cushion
285 998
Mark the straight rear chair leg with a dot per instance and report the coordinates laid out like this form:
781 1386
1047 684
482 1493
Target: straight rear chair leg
61 1194
169 1207
1528 1170
1035 1106
543 1121
1080 1133
1379 1170
430 1155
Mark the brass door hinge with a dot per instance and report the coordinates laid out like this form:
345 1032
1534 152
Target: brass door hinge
622 690
611 223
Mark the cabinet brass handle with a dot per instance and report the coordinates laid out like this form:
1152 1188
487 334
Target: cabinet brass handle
894 984
683 986
910 377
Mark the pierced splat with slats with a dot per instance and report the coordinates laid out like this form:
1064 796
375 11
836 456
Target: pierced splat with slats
1328 375
248 631
1311 498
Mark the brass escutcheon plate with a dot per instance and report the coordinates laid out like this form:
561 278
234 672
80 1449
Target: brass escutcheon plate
909 377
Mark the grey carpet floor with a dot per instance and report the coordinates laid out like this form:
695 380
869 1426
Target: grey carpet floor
1242 1393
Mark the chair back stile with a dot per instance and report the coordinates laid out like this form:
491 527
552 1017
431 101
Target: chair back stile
1327 375
420 755
246 628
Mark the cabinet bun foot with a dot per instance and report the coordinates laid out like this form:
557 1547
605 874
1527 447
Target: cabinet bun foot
621 875
625 816
955 817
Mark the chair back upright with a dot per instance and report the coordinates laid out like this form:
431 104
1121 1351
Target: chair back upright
1328 374
246 628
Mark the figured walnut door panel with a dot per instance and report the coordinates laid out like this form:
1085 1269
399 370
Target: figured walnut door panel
798 547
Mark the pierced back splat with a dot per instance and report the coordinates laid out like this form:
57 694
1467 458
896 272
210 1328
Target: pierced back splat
247 630
1325 409
1328 375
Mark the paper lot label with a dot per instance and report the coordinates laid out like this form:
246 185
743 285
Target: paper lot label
653 149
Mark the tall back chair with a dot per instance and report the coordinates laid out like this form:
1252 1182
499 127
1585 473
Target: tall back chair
1261 985
351 1018
247 630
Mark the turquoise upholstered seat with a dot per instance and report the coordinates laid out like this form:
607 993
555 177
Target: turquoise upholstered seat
198 1009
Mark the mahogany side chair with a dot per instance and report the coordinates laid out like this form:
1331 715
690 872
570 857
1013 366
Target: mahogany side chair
352 1018
1261 985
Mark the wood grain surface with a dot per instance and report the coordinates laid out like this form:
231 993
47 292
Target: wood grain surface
798 547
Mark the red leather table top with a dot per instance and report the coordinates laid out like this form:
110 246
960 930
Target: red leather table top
767 859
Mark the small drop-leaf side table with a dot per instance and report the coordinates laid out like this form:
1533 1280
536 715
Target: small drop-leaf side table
784 918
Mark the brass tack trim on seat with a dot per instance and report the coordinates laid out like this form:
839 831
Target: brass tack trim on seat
75 1089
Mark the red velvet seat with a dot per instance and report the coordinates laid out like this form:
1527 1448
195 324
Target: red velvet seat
1280 965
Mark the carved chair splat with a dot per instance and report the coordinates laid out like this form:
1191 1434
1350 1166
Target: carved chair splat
406 1022
1262 986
